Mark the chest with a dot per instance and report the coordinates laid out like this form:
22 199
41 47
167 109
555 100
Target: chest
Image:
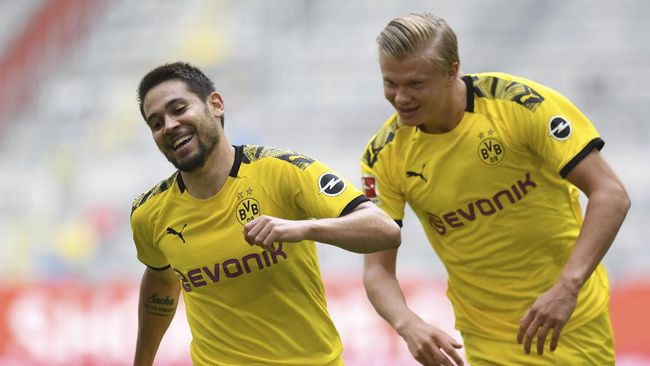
442 173
203 233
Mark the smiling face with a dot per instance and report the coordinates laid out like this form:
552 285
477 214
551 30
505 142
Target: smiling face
417 90
185 128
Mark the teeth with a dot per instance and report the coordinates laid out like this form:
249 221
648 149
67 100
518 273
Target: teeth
181 141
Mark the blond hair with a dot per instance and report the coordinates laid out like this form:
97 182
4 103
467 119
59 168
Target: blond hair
406 35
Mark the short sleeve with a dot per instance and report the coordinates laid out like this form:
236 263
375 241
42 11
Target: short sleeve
558 131
321 192
147 253
378 173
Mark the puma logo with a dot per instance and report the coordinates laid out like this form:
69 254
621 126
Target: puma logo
410 173
177 233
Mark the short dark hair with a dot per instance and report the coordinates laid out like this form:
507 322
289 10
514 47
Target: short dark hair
197 82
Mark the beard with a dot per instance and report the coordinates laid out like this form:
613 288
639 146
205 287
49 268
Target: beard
207 141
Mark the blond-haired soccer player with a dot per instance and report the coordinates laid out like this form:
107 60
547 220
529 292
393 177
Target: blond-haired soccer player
234 228
492 165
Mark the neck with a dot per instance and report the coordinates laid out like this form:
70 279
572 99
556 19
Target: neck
208 180
452 113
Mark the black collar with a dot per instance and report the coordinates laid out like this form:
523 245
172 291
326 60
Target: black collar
469 82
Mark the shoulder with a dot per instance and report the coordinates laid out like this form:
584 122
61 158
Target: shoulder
516 92
150 197
274 156
388 135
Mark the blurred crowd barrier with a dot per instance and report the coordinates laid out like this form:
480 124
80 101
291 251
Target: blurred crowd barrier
76 324
49 30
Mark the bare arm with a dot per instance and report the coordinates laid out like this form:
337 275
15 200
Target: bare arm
424 341
606 209
159 292
364 230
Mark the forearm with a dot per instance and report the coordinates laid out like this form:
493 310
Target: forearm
156 309
385 295
604 215
365 230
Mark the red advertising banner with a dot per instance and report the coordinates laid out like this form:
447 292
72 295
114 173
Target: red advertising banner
77 324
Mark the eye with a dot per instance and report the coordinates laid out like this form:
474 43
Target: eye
180 109
389 84
415 83
155 124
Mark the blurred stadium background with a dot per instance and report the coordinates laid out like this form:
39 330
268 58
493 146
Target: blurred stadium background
293 73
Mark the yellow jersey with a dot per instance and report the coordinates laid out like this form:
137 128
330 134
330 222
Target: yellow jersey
492 198
247 306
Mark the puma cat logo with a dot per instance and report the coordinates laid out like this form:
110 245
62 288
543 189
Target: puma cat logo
410 173
177 233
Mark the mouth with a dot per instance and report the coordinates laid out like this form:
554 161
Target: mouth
181 141
407 112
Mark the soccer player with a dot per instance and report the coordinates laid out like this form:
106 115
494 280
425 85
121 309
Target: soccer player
234 227
492 165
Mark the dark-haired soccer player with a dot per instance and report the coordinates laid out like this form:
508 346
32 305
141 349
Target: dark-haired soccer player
492 165
234 228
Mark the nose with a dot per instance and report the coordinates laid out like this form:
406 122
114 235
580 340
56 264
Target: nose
401 97
170 124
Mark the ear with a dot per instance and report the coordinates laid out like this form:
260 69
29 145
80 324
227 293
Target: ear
452 74
216 104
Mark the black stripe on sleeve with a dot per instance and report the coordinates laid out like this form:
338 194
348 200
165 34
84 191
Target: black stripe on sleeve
399 222
354 203
158 268
596 143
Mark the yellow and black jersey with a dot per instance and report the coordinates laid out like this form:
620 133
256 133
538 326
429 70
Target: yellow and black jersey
492 198
246 305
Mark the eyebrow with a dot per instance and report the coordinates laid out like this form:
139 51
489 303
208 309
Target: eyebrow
175 100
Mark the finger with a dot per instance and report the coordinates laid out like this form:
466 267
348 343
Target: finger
251 230
262 236
555 338
442 359
523 326
251 224
451 352
247 235
270 236
421 360
424 357
541 338
530 335
436 354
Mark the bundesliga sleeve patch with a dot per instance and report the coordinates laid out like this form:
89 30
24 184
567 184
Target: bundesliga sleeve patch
559 128
330 185
369 184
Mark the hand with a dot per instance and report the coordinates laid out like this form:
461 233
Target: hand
550 311
429 345
266 230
